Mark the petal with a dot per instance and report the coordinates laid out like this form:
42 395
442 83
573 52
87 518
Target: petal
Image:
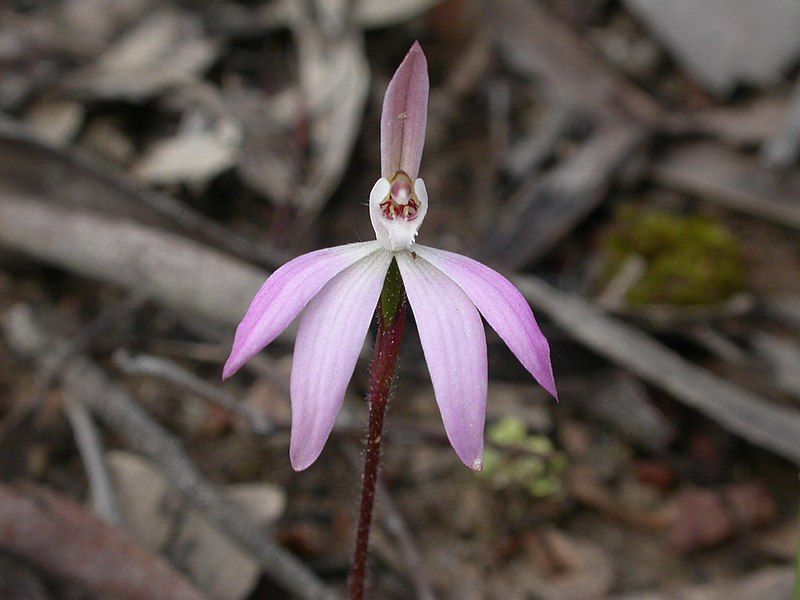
329 340
503 307
285 294
404 116
454 345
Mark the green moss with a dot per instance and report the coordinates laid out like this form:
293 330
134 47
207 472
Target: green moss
690 259
519 460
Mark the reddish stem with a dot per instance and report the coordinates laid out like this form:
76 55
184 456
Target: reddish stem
384 366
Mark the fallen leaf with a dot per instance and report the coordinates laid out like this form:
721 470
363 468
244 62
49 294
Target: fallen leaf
56 121
67 541
334 79
159 520
705 517
195 156
568 567
164 50
723 42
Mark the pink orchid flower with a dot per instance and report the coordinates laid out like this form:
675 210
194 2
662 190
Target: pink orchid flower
335 292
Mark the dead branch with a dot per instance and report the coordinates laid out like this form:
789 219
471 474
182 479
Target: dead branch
784 308
717 174
552 205
64 539
169 371
170 269
76 179
741 412
534 149
622 401
538 43
90 446
115 407
48 372
782 149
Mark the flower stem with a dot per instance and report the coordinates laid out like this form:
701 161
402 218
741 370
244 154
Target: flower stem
384 365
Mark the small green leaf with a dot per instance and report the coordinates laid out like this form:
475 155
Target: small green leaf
507 431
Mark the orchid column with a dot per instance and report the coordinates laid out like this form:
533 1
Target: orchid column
335 292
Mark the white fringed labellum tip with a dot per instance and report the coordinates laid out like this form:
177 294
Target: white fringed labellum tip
397 209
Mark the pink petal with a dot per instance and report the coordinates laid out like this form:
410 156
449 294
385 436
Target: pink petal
329 340
454 344
405 112
285 294
503 307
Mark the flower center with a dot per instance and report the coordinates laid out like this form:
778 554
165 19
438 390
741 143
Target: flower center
401 202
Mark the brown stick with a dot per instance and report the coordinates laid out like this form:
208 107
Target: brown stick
748 415
20 414
553 205
736 181
189 276
78 180
115 407
64 539
170 269
171 372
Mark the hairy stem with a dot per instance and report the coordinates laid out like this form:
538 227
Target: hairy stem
384 365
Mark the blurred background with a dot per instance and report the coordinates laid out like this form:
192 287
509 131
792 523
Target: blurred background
631 164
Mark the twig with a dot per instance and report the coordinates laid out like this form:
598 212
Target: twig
207 352
64 539
785 309
20 414
167 370
462 78
97 186
744 413
782 150
115 407
622 401
551 206
536 42
392 521
669 317
530 152
612 296
91 448
783 356
719 344
733 180
176 272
